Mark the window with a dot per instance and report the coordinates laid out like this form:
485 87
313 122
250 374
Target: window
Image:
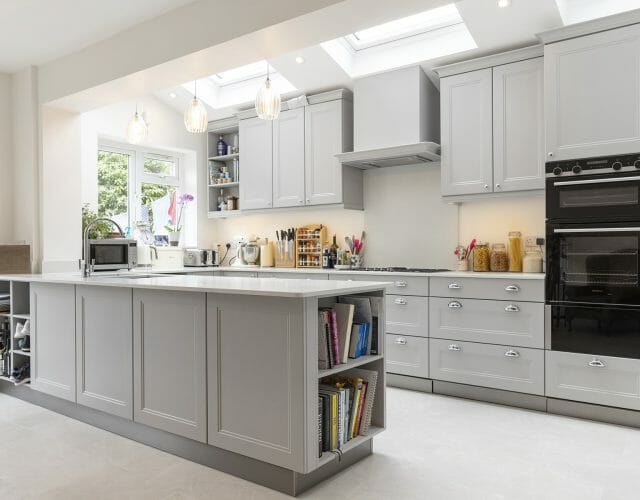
136 186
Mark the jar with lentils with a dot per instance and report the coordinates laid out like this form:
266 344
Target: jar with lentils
499 261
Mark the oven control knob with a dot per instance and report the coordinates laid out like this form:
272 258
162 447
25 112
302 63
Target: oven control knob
576 169
617 165
558 170
636 163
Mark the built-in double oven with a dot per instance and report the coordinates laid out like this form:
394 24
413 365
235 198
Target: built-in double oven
593 256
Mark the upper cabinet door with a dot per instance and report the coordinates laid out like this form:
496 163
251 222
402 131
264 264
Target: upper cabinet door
592 89
288 159
256 163
518 126
324 139
467 160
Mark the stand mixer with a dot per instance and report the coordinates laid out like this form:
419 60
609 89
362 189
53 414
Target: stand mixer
248 254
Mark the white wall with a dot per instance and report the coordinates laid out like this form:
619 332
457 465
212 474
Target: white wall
166 132
6 162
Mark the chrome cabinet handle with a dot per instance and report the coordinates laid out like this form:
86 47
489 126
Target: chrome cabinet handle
454 347
596 363
401 284
400 301
454 286
512 308
400 341
512 354
497 186
512 288
550 154
454 304
486 186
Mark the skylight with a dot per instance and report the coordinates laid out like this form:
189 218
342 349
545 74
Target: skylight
577 11
246 72
405 27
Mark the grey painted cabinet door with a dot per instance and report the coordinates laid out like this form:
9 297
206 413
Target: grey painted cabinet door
467 145
592 95
169 360
53 356
256 164
518 126
256 355
288 159
104 349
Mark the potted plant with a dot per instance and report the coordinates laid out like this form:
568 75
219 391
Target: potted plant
174 229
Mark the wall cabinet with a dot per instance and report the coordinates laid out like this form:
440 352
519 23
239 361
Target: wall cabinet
289 158
104 357
256 160
493 129
592 88
169 333
53 315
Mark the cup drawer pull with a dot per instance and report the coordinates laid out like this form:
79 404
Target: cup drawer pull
512 354
596 363
512 288
454 304
400 301
455 347
400 341
454 286
512 308
401 284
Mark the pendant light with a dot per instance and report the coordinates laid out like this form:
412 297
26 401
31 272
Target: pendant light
137 129
195 116
268 100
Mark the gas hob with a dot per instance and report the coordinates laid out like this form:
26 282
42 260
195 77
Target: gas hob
403 269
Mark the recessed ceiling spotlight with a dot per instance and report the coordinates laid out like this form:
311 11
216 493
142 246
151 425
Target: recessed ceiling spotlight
173 95
504 3
299 59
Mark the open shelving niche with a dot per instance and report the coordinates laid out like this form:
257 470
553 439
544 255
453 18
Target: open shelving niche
19 312
228 128
374 362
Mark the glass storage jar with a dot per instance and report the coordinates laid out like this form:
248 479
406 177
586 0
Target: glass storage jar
515 252
532 262
499 262
481 257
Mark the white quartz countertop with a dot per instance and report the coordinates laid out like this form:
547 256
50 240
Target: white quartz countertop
212 284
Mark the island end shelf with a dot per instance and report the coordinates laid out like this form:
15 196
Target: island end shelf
243 398
14 357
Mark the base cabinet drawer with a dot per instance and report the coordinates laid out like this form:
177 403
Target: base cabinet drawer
600 380
403 285
531 290
407 355
487 321
516 369
407 315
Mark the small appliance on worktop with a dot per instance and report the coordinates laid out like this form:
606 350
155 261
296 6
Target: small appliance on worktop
195 257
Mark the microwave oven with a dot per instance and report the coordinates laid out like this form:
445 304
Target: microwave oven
112 254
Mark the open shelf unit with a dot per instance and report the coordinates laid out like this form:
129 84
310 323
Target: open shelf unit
222 167
19 312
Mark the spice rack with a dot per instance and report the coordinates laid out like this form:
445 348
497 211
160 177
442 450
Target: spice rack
310 240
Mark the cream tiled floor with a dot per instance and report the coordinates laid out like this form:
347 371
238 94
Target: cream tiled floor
435 448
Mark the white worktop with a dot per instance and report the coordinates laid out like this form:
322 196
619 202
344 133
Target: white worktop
211 284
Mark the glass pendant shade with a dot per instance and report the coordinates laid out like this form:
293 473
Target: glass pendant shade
195 116
268 101
137 129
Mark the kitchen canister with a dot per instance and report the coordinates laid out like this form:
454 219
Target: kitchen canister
515 252
267 254
481 256
532 262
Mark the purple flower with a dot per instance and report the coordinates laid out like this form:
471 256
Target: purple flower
185 198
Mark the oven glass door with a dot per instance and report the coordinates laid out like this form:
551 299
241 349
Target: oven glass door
598 330
594 263
600 197
110 254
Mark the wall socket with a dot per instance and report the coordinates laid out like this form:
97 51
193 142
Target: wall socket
532 241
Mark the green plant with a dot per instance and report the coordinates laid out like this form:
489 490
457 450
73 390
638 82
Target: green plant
100 230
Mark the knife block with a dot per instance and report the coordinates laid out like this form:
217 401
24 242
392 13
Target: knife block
281 258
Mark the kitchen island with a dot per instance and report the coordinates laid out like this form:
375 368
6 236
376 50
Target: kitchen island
222 371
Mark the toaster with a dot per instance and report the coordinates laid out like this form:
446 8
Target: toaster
195 257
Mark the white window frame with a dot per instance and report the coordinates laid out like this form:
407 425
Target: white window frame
137 175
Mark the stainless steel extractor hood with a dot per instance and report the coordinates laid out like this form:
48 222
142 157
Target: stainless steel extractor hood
394 156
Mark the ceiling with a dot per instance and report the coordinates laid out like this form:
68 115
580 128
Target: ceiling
38 31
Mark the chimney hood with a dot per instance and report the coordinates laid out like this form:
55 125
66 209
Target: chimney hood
393 156
396 120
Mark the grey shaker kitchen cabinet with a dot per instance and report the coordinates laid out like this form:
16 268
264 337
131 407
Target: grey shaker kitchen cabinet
518 126
256 397
466 133
104 349
169 333
592 94
406 355
53 356
289 158
256 162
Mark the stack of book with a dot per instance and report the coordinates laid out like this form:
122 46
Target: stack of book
349 329
345 406
4 302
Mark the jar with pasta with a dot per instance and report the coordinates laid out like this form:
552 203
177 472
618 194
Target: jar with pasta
481 257
515 252
499 262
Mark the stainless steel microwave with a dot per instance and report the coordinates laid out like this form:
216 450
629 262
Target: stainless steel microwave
112 254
